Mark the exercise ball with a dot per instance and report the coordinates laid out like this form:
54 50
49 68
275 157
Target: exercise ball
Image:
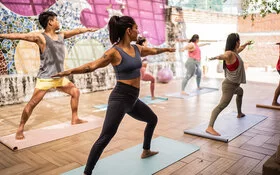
164 75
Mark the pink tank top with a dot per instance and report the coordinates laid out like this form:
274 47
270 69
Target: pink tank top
196 54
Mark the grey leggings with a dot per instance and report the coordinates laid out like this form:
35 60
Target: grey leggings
229 89
193 67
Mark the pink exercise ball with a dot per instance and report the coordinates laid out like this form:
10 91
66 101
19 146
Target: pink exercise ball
164 75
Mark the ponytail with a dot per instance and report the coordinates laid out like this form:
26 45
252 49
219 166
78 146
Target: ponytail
113 31
194 38
117 27
230 44
231 41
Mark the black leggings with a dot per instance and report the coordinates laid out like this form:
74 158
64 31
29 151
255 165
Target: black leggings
123 99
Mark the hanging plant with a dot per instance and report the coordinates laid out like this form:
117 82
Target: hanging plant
262 7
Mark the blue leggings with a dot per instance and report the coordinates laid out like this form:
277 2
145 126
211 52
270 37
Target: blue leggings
193 67
122 100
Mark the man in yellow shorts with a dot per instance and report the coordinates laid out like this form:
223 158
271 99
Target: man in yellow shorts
52 55
46 84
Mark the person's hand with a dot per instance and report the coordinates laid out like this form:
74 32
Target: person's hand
171 50
212 58
61 74
250 42
92 29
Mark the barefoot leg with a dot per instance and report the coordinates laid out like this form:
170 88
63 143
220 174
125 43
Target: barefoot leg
240 115
184 93
27 111
78 121
148 153
19 133
276 95
75 94
212 131
275 104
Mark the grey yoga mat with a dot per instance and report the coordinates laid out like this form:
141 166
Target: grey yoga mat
228 125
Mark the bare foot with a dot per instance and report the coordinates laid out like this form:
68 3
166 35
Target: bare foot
148 153
153 98
275 103
240 115
199 88
19 135
78 121
184 93
212 131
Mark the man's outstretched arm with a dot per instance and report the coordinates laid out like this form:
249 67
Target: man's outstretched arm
70 33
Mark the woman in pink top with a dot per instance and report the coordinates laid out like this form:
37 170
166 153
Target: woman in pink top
277 91
193 63
145 76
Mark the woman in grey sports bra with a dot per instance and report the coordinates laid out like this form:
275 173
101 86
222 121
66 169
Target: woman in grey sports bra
234 76
126 60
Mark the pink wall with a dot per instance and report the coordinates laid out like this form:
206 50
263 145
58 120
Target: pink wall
148 14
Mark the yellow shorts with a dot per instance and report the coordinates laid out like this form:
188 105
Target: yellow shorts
46 84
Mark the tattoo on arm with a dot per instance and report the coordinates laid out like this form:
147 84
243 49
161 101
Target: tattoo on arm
104 56
87 69
158 50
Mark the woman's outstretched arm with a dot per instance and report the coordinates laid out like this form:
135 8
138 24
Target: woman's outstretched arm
224 56
106 59
145 51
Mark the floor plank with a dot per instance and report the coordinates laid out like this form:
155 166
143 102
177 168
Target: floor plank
243 166
218 167
192 168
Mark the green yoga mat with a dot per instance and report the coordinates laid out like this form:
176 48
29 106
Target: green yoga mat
193 93
128 162
148 100
228 125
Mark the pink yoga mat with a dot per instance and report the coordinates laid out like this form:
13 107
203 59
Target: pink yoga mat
50 133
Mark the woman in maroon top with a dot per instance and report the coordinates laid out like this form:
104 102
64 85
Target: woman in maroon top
277 91
234 76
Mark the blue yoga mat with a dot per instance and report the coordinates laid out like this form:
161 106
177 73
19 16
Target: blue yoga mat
128 162
193 93
147 100
228 125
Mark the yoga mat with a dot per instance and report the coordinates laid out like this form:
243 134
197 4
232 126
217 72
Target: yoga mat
228 125
147 100
50 133
268 106
128 162
193 93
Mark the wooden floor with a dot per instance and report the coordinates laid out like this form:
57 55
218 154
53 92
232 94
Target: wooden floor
244 155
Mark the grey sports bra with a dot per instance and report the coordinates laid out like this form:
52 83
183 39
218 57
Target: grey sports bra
129 68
